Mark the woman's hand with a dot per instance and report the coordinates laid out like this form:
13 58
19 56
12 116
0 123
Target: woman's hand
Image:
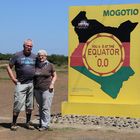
51 88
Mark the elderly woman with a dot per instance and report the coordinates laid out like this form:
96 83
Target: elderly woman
45 77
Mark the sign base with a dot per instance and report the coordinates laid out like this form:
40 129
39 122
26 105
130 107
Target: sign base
101 109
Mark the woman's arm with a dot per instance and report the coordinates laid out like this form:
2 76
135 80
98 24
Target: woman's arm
54 78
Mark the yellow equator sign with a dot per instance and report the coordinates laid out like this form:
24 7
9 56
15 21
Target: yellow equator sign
104 53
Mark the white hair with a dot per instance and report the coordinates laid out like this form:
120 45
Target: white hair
42 52
27 40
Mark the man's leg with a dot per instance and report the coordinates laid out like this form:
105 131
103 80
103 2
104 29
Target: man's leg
29 106
28 119
14 122
28 115
15 116
19 103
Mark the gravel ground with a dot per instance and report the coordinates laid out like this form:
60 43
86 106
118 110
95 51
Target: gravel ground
97 121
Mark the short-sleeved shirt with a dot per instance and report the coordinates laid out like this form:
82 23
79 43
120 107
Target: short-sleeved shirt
43 75
24 66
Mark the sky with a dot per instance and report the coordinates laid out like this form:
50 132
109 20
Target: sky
43 21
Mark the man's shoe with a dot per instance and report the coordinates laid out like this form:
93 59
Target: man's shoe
45 129
29 126
14 127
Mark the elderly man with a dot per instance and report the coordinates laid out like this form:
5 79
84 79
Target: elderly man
24 62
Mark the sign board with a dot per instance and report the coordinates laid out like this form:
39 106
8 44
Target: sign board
104 66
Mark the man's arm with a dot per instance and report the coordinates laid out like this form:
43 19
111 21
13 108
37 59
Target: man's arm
11 74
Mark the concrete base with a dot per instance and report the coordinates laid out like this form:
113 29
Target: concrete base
101 109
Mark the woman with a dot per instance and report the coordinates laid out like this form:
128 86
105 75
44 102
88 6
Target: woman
45 77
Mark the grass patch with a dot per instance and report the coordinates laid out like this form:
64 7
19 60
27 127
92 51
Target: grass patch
2 68
4 78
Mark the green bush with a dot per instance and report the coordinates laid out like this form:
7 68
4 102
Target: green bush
58 60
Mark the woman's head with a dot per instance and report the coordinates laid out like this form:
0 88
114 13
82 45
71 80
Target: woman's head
42 55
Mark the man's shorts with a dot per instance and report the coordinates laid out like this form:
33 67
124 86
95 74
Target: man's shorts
23 98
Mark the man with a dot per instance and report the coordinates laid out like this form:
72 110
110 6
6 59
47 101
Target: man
24 62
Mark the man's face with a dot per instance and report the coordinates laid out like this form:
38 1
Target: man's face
28 47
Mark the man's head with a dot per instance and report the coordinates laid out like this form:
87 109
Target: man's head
28 44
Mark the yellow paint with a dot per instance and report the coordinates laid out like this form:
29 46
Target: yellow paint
101 109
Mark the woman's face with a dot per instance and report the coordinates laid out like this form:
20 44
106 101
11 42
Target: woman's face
42 57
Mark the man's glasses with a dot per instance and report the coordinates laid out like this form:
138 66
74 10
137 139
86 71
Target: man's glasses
29 46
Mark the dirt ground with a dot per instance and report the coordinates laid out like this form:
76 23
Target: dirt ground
59 132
